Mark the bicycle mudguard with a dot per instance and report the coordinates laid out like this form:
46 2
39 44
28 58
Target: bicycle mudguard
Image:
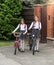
16 44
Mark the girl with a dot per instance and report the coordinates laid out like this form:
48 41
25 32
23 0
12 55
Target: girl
36 27
23 30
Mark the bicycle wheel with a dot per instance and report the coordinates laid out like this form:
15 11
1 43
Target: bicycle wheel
15 51
34 47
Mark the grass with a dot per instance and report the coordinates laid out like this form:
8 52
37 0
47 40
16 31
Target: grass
6 43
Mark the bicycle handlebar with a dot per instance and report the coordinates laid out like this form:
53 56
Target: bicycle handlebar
17 34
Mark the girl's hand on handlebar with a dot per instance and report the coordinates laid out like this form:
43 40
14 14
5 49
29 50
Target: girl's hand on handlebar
13 33
23 33
28 29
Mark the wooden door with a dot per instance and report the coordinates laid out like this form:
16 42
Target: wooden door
44 24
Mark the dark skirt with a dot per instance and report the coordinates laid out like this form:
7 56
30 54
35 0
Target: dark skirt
22 36
35 32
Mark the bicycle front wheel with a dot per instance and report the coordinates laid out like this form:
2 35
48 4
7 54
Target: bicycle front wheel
34 44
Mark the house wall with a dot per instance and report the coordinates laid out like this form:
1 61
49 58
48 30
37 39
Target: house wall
50 15
46 16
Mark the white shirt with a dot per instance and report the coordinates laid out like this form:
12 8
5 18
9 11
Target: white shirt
35 25
23 27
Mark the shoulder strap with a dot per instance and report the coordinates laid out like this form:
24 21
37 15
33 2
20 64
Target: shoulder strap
39 25
25 26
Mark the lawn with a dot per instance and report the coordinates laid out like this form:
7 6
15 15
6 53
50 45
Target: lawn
6 43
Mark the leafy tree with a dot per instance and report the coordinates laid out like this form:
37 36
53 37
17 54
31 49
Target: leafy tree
10 11
37 1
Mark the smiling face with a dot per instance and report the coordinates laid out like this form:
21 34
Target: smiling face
36 18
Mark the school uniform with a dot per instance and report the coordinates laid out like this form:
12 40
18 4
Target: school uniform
36 27
23 30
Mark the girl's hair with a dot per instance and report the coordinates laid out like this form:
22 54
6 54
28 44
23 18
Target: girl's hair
22 19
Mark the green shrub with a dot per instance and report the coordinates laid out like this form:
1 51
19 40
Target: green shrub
10 11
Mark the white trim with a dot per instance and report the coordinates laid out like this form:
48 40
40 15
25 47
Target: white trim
50 38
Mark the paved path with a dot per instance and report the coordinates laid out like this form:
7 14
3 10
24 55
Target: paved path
44 57
6 61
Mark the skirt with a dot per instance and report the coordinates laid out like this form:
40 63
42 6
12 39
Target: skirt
22 36
35 32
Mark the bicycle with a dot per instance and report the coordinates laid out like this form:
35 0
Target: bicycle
32 46
29 41
17 42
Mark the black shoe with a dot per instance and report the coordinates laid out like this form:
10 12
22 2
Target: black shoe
22 51
19 49
37 51
15 52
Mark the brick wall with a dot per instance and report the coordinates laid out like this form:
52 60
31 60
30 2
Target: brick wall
49 11
46 16
50 20
37 11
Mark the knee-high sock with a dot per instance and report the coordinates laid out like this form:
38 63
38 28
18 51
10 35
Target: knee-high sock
37 44
22 45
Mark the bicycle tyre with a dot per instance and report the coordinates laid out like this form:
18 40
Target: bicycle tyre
33 51
34 47
18 48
